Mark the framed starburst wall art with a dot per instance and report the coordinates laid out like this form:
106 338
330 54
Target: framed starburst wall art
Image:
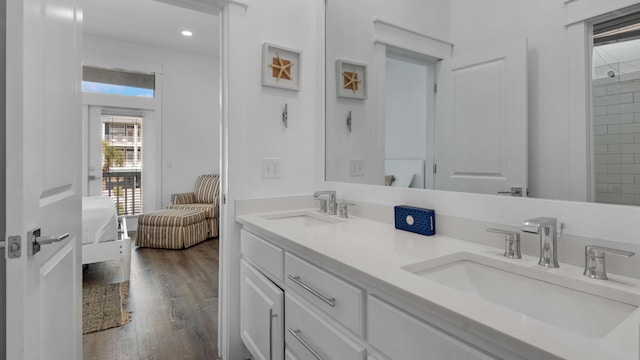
281 67
351 79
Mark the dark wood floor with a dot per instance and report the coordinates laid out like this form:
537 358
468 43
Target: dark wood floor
173 295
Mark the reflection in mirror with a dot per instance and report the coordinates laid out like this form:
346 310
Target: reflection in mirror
467 139
408 133
616 106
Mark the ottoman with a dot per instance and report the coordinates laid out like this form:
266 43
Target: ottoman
172 229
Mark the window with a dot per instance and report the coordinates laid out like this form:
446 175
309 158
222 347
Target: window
118 82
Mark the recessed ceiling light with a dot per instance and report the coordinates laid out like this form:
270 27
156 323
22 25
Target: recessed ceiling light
187 33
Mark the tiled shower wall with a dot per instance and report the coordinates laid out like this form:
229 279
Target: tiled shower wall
616 102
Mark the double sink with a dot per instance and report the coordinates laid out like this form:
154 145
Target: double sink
583 306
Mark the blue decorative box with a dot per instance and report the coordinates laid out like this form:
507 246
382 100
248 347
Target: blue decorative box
417 220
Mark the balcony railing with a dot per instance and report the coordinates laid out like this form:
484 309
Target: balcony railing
125 188
123 139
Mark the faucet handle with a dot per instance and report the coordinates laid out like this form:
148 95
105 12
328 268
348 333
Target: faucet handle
599 251
594 260
511 243
343 209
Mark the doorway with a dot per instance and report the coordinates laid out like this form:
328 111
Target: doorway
172 293
409 98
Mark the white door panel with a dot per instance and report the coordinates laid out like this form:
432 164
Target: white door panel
43 172
481 120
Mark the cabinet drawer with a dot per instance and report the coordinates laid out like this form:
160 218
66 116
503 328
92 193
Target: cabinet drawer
401 336
307 333
264 255
334 296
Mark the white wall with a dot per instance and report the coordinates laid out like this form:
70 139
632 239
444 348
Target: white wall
190 103
253 126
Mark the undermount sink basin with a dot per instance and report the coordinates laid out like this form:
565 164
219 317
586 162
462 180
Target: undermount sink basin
586 308
301 219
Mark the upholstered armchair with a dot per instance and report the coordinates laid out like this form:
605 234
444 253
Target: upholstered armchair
205 196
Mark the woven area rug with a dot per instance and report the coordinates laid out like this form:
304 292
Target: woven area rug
103 306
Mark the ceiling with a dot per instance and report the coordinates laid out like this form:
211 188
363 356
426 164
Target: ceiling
155 23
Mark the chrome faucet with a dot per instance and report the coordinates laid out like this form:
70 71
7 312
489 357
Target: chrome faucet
547 228
332 206
594 260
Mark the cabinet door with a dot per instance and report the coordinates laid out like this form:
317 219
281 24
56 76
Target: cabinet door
261 314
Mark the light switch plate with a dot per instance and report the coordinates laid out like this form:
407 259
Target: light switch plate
357 167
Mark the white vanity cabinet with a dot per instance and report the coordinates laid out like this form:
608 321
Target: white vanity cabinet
261 314
329 315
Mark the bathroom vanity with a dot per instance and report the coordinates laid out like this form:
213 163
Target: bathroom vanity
315 286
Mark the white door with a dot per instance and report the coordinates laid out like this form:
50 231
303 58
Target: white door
481 121
261 314
43 178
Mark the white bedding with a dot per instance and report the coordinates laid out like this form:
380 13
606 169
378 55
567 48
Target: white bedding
99 220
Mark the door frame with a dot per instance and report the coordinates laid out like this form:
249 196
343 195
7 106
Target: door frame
431 65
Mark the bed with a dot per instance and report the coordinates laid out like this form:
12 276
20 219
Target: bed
104 234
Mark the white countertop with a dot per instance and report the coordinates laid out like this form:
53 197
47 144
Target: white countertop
380 251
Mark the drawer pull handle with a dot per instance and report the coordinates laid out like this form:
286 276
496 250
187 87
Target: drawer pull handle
296 279
296 334
271 316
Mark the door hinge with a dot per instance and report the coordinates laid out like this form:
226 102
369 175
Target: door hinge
435 88
435 168
224 199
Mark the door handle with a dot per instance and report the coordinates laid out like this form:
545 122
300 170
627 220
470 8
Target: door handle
515 191
14 244
36 240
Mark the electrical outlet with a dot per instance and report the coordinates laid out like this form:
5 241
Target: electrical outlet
357 167
271 168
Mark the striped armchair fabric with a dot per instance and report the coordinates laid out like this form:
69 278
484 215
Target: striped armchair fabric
204 197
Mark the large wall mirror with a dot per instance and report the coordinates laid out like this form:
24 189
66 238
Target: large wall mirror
475 96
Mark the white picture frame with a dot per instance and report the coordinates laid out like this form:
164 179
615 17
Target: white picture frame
351 79
276 71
